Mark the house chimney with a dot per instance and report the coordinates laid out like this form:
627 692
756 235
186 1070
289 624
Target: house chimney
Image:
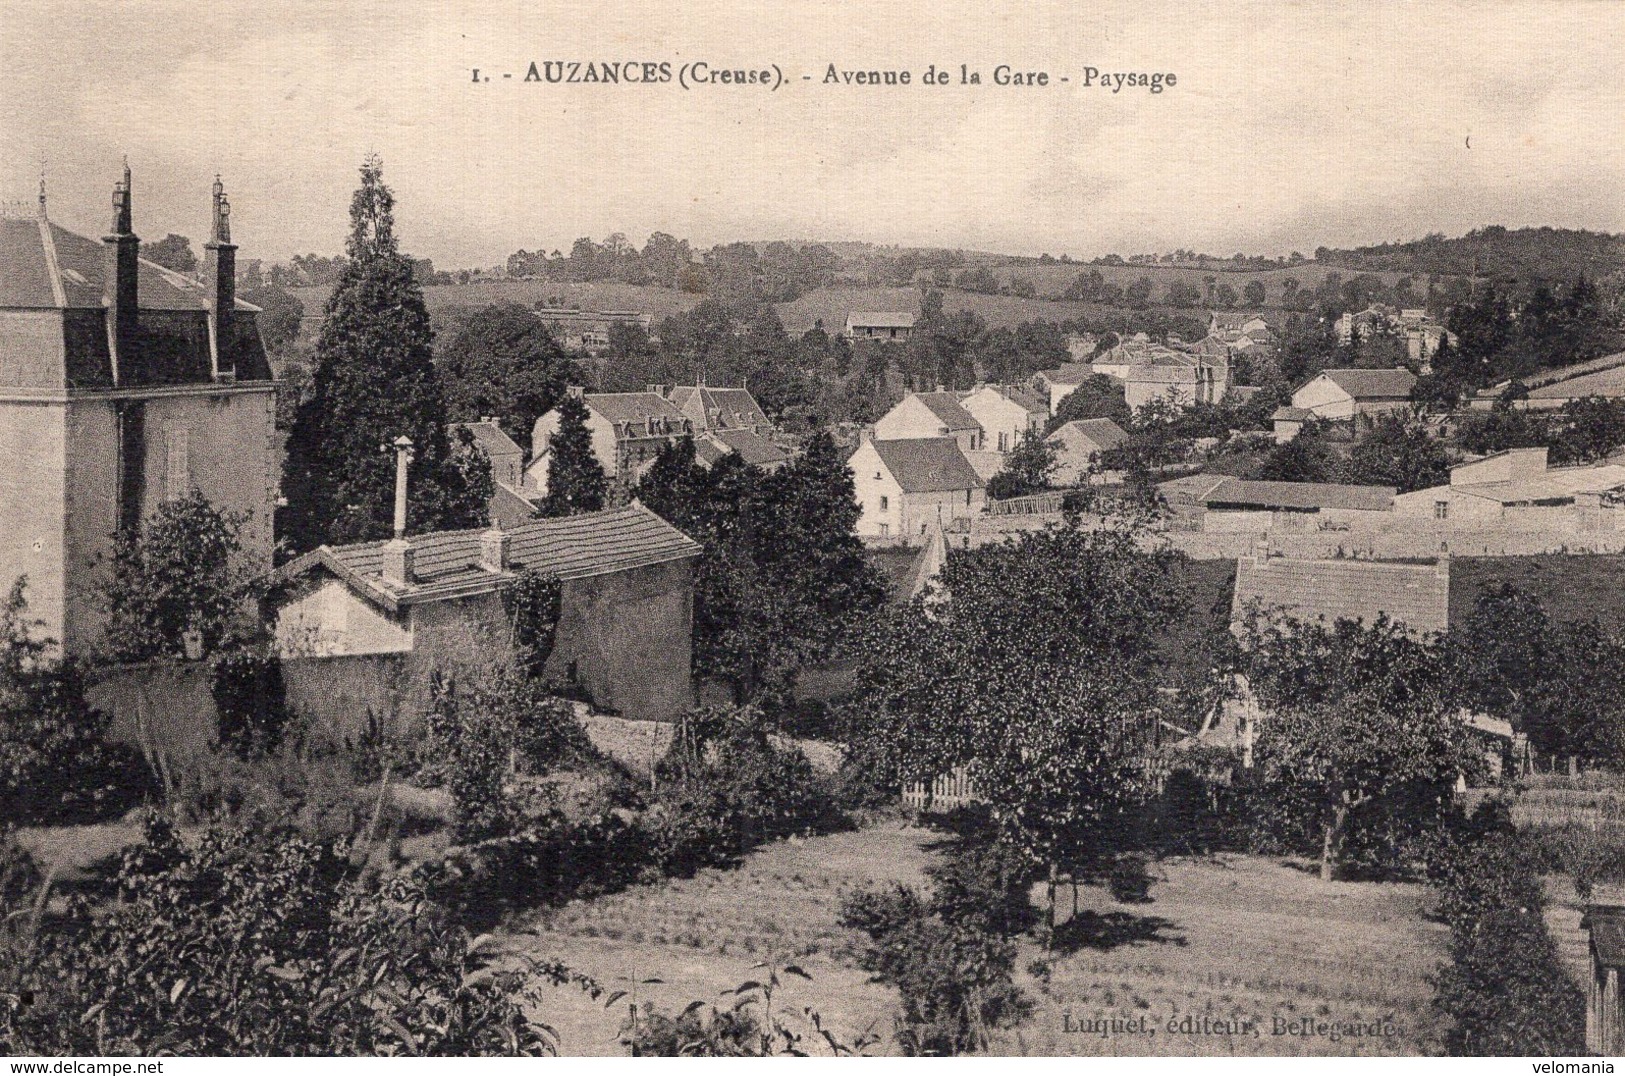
576 391
121 289
494 545
941 387
402 447
398 561
220 277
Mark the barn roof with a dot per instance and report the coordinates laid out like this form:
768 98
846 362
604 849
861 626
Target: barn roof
1102 431
881 319
1373 384
1301 496
490 437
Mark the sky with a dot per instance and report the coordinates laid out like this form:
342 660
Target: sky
1292 125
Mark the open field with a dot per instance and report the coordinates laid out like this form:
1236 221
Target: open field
702 935
1231 937
1237 939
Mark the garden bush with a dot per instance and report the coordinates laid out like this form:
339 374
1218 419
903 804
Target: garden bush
57 765
1505 991
254 941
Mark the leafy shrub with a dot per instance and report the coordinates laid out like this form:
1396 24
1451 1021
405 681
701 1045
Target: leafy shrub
948 955
954 980
56 762
984 885
1505 990
255 941
250 700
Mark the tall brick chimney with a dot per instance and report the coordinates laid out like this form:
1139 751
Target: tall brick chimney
220 277
121 287
494 546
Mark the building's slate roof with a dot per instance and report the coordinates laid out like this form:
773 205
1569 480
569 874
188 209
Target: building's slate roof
44 267
1288 413
1608 382
1244 493
880 319
945 405
928 465
733 408
32 251
753 447
1373 384
446 564
634 407
491 438
1415 595
1102 431
1069 373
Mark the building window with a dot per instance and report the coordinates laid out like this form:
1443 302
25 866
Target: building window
571 672
177 463
885 503
1004 444
885 529
1441 509
967 497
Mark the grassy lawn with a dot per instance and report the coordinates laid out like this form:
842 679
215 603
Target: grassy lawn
1237 938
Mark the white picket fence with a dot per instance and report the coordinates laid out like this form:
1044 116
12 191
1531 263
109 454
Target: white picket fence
948 791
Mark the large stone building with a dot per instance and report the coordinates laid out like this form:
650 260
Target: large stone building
122 385
628 430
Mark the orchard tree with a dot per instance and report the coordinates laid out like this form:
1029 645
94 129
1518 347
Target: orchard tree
1035 666
784 580
1100 396
374 381
176 581
575 481
1026 470
1398 452
172 252
1362 730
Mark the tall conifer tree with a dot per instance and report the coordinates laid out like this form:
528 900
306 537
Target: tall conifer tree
375 381
575 481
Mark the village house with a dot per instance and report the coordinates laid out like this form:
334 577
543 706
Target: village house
1079 444
628 430
727 420
434 603
123 385
1421 331
1551 389
1005 413
587 330
510 504
1289 421
1057 384
1231 326
1360 396
891 326
1516 489
1178 377
905 487
1221 504
931 414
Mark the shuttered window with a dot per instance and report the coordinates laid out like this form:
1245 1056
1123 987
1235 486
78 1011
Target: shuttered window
178 467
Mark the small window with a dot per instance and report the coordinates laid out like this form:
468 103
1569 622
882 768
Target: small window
885 504
1441 509
967 496
178 469
571 672
885 530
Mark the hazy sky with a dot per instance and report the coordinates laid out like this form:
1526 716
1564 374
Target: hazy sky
1292 125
